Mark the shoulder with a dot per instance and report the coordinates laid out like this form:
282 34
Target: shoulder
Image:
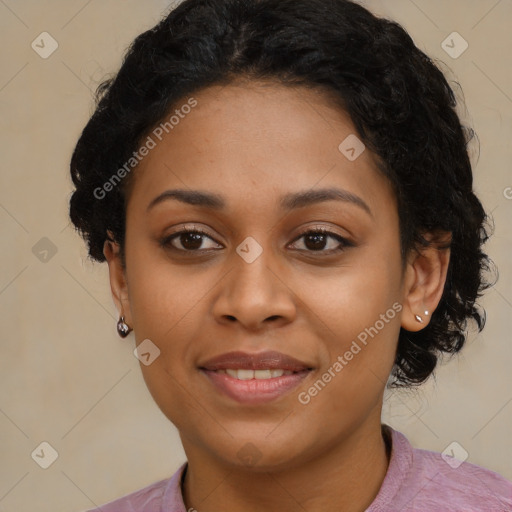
148 499
428 480
466 485
156 497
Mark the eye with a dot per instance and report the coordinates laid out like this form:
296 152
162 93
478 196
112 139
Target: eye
191 240
316 240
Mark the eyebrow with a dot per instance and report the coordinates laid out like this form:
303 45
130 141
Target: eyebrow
288 202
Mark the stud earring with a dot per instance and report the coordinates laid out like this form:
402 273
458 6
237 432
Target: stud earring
418 317
123 329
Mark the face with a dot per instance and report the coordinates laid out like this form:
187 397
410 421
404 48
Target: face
282 263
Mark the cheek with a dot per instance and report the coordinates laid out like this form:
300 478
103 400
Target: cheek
352 297
360 352
165 306
357 314
166 312
163 297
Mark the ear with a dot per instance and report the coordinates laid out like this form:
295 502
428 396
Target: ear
425 277
117 276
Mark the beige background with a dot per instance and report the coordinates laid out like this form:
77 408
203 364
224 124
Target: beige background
66 377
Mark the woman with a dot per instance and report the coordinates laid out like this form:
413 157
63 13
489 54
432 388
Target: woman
283 195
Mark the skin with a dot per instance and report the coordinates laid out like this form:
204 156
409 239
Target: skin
252 143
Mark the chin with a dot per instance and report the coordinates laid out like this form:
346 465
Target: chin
259 453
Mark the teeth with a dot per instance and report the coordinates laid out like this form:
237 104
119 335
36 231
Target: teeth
262 374
243 374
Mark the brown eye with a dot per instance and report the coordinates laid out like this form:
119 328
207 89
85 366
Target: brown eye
317 240
190 240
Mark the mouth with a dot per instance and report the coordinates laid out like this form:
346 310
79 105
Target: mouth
255 378
244 374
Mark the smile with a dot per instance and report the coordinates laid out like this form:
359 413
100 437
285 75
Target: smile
254 387
255 378
244 374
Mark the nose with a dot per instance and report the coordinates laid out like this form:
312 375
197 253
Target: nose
255 294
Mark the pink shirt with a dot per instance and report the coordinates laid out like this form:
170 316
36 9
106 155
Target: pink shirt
417 480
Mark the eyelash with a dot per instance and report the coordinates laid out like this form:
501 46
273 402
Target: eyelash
344 243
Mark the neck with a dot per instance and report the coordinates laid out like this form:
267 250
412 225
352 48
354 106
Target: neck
346 477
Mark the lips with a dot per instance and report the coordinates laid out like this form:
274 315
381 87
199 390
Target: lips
255 379
269 360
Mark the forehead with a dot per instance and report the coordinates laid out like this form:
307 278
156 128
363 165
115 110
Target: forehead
256 141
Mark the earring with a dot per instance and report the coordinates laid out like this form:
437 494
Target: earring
418 317
123 329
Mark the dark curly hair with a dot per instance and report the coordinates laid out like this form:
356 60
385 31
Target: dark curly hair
398 99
